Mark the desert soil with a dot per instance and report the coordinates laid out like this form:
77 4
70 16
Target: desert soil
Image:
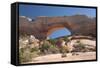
58 58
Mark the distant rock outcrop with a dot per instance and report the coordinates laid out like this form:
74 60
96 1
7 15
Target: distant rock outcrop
43 26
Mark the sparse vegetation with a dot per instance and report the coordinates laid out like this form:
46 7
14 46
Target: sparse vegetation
52 41
79 47
24 55
66 38
27 53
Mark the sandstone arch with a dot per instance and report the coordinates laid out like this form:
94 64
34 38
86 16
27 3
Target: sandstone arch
44 26
55 27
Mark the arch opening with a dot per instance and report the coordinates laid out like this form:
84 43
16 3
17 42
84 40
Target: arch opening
58 33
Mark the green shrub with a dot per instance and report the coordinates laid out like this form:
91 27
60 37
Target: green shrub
82 46
34 49
52 41
24 55
66 38
54 49
79 46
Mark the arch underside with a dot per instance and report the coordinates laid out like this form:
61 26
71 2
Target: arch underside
53 28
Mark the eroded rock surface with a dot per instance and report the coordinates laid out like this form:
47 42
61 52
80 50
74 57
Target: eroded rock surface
43 26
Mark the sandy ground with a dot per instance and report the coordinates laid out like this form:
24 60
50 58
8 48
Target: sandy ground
58 58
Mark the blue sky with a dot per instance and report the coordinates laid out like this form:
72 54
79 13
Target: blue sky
33 11
59 33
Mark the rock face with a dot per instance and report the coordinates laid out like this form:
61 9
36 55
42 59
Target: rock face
43 26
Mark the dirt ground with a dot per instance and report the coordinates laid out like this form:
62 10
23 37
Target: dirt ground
58 58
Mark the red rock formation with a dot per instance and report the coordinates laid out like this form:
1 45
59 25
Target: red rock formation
41 27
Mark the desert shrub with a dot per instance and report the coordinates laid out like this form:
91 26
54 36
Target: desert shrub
24 55
34 49
48 49
54 49
44 48
79 47
52 41
66 38
35 52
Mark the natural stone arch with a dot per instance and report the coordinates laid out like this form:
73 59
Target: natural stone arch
42 26
53 28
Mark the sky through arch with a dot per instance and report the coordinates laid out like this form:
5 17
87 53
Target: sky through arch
59 33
